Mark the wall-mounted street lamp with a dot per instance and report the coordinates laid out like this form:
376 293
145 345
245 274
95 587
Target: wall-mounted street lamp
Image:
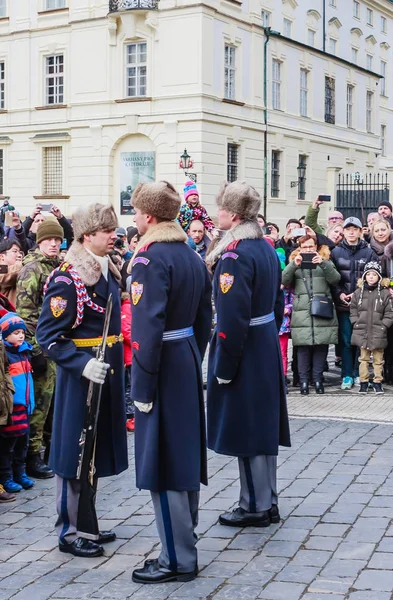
186 163
301 175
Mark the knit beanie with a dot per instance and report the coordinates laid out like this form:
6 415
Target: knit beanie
386 203
158 199
131 232
11 322
190 189
372 266
48 229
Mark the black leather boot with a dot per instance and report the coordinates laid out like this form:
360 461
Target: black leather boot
35 467
319 387
304 389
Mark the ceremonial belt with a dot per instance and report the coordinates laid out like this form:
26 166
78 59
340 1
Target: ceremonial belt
177 334
255 321
92 342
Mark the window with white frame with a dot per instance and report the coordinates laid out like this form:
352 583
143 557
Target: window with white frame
230 72
311 37
287 26
136 70
3 8
53 4
330 100
384 25
369 62
2 85
232 162
52 171
275 174
356 9
54 79
369 16
1 172
303 92
276 84
350 91
354 55
384 78
383 140
369 111
332 46
265 16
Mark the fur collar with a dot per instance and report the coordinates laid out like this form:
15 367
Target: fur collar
323 251
385 283
246 230
389 250
87 267
166 231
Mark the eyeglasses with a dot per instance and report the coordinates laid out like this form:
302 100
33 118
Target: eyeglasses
335 219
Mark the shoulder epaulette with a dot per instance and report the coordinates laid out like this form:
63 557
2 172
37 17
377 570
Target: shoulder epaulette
233 245
82 297
145 247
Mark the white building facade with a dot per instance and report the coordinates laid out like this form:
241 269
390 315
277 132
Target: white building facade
96 95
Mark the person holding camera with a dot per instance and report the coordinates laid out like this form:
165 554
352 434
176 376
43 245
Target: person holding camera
288 242
334 218
31 223
314 321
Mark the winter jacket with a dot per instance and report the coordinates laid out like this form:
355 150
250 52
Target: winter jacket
350 262
30 292
307 330
312 219
7 389
288 306
371 316
190 213
20 371
387 261
126 330
288 247
8 282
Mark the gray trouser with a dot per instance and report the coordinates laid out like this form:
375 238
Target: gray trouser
258 483
67 504
176 518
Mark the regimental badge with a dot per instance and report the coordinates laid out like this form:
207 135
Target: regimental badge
58 306
136 292
226 282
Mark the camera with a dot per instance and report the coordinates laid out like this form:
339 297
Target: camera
119 244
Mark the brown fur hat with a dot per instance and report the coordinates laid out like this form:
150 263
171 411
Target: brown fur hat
92 218
239 198
158 199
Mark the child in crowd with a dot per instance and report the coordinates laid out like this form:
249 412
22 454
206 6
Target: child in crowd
126 331
7 391
14 437
285 330
192 210
371 315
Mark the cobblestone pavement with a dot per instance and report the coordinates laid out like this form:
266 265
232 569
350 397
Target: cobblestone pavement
335 540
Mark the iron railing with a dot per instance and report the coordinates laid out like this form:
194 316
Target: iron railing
356 197
123 5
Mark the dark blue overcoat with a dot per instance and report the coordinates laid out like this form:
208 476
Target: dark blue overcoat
171 290
247 417
55 334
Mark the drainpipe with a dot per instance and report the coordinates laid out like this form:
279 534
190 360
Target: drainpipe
324 25
267 39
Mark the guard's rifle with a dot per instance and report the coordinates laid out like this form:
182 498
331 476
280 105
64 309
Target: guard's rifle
87 523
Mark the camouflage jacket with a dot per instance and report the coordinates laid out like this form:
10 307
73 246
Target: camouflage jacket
30 291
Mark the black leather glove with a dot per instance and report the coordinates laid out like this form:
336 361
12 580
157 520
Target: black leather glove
39 364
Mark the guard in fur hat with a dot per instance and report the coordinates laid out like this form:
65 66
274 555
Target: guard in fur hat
171 320
69 330
371 316
246 404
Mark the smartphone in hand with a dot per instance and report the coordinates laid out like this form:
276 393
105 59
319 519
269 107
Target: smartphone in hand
298 232
324 198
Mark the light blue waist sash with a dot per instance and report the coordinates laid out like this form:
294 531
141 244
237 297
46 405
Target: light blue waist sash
255 321
177 334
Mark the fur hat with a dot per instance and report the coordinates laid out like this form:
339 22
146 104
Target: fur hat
239 198
158 199
50 228
10 323
93 217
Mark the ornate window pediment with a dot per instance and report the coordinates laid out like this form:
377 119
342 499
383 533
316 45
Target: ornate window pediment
314 13
336 22
356 31
371 40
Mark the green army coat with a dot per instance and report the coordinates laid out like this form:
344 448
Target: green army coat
305 329
30 291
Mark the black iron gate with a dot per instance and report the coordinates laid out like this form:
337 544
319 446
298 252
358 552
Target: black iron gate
359 195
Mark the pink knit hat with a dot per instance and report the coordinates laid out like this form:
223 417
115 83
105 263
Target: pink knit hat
190 189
